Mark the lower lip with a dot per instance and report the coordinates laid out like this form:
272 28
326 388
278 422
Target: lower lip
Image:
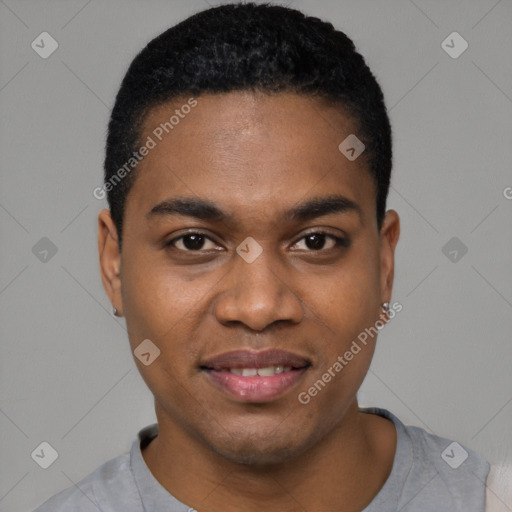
256 389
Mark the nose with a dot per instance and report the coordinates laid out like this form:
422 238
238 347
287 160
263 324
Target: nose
256 296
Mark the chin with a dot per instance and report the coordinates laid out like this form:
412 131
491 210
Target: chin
258 450
256 456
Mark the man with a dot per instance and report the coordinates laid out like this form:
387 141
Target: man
248 246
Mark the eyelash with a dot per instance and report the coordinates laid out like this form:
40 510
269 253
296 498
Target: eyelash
339 241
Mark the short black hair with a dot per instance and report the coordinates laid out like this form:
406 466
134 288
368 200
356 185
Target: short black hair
247 46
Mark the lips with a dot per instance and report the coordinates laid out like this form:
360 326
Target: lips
255 376
248 359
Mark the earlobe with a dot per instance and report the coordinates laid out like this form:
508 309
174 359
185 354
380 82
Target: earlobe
110 259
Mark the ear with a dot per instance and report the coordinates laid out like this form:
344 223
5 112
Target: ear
110 259
389 234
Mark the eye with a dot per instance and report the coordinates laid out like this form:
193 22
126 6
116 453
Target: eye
193 242
319 241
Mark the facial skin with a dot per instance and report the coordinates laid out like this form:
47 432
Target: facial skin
255 157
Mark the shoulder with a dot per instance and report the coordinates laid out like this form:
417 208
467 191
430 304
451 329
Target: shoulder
452 469
432 473
110 483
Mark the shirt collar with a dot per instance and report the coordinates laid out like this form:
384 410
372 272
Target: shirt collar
155 497
152 494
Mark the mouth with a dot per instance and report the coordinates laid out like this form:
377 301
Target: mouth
255 376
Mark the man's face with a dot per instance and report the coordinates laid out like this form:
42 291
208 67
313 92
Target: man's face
269 168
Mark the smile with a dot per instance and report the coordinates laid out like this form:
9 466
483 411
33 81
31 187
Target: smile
255 376
268 371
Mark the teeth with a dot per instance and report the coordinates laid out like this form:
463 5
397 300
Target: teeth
268 371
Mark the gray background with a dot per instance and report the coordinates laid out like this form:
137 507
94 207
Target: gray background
67 376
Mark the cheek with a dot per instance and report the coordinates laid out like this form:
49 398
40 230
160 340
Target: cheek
158 301
347 300
160 308
163 307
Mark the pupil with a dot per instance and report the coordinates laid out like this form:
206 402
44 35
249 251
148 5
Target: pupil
315 241
193 242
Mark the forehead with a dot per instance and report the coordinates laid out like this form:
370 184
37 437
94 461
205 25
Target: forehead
245 148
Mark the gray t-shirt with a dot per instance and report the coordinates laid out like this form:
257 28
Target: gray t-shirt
430 474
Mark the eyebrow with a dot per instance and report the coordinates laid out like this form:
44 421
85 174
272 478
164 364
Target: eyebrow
320 206
206 210
189 207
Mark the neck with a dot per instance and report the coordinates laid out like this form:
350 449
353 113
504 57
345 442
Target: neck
343 472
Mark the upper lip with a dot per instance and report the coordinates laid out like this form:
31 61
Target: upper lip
251 359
